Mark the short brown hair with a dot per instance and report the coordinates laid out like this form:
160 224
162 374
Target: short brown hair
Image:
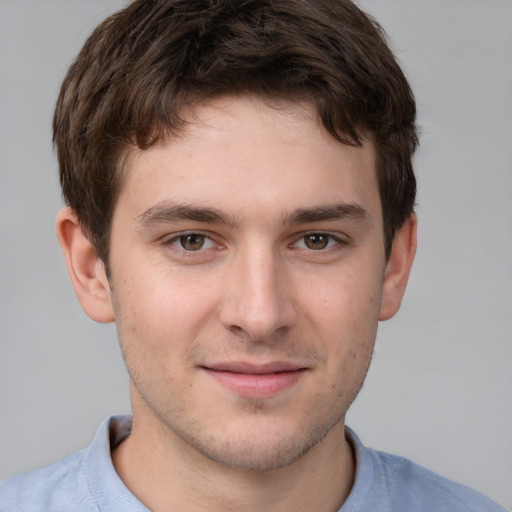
141 66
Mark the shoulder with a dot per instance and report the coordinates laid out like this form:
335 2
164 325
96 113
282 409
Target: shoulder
413 485
85 481
403 485
61 486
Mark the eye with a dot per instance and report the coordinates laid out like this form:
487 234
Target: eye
317 241
192 242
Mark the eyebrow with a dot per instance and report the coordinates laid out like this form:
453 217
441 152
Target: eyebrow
167 211
342 211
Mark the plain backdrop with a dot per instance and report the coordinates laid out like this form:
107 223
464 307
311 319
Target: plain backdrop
440 387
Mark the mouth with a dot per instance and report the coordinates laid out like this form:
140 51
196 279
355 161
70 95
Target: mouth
256 380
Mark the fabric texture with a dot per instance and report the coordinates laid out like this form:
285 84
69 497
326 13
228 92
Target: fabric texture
87 481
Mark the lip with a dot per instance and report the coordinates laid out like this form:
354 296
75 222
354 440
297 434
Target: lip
256 380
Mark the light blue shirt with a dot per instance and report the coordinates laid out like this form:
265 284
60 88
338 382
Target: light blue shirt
87 481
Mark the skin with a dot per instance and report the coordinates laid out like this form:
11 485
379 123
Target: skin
252 242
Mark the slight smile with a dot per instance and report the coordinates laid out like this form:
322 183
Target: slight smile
256 380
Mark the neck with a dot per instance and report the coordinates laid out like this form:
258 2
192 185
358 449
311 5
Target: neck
166 474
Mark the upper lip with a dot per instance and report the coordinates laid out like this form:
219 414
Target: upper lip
255 368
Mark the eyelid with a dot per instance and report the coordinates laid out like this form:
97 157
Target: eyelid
339 238
172 240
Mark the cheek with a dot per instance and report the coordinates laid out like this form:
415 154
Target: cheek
349 299
160 317
163 300
344 316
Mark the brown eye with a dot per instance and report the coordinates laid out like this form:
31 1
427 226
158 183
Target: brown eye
316 241
192 242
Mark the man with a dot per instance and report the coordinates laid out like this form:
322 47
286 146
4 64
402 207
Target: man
240 202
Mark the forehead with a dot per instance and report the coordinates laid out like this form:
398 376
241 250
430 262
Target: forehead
243 154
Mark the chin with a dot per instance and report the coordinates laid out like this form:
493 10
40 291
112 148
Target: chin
257 458
260 450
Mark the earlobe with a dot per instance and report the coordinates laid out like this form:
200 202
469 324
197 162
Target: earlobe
398 268
85 268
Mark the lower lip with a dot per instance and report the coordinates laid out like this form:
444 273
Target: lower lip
256 385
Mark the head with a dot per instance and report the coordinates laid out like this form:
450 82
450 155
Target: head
244 171
142 67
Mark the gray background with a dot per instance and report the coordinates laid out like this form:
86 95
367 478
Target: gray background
440 388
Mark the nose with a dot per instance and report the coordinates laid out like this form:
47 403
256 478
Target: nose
258 296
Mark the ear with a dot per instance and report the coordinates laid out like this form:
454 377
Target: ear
85 268
398 268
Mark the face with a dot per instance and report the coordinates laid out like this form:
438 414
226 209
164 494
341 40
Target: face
247 263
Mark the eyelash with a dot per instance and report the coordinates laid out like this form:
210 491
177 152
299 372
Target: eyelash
175 242
333 242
